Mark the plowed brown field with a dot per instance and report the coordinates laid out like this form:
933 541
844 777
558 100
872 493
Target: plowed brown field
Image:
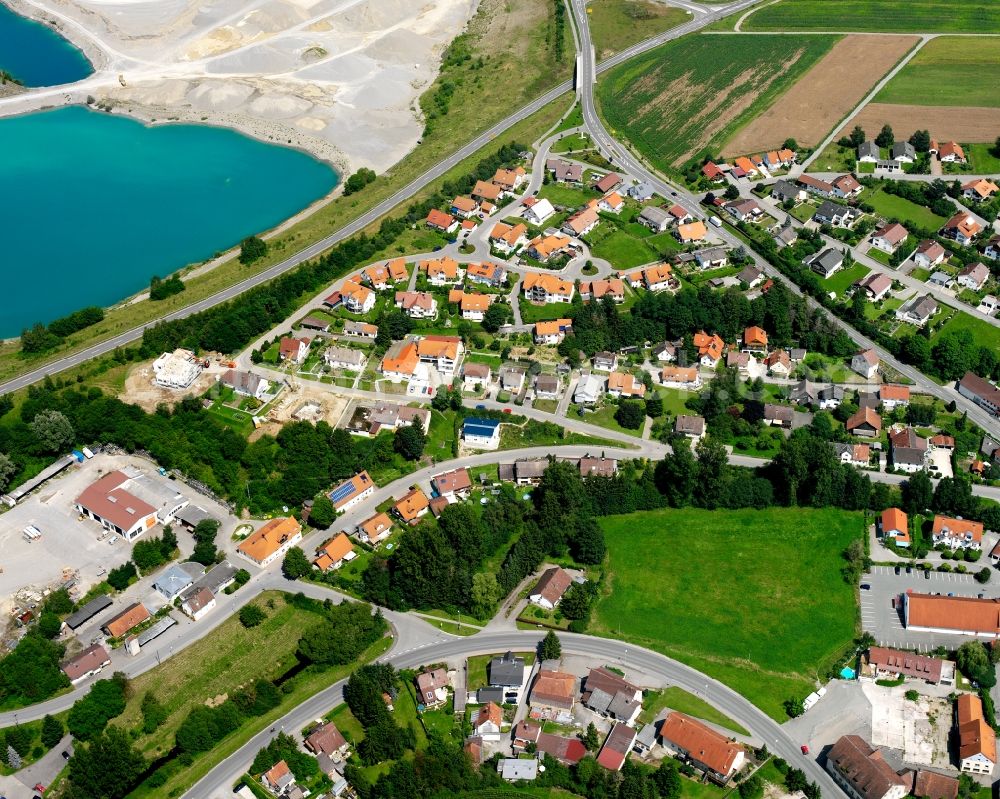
946 123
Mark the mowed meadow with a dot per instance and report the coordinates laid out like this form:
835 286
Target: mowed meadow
694 93
949 71
753 598
902 16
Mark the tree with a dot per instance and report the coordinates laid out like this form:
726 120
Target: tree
358 180
204 535
107 768
484 596
794 708
295 564
732 192
575 603
921 141
7 470
630 414
410 441
153 712
912 695
52 731
983 575
49 624
496 316
550 648
251 616
590 738
790 144
918 493
587 542
885 137
52 430
89 716
654 407
323 513
252 248
857 136
120 577
974 662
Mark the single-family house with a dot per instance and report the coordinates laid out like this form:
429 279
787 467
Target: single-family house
875 285
929 254
475 376
442 271
271 541
360 329
553 690
195 604
623 384
962 228
865 363
889 237
691 232
691 426
783 191
583 221
903 152
893 394
564 171
779 415
755 339
709 751
246 384
439 220
710 348
334 553
486 273
605 361
711 257
895 525
510 179
599 289
830 397
865 422
751 276
88 663
486 190
537 212
465 207
545 288
836 215
542 248
917 310
508 238
549 589
827 262
846 186
512 379
472 306
352 492
820 188
979 189
487 720
779 363
655 218
949 152
713 173
481 433
973 276
744 210
977 743
868 152
432 687
862 772
680 377
660 278
858 455
412 506
552 332
610 695
547 387
908 450
375 528
278 779
400 361
293 349
417 304
344 358
589 389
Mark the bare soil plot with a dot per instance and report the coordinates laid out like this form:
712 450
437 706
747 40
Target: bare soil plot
140 389
824 95
949 123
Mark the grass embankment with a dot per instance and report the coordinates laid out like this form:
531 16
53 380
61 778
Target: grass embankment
752 598
209 669
695 92
678 699
511 52
904 16
616 24
951 70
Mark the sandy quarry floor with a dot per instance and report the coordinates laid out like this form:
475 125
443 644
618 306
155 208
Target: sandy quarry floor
339 78
945 123
824 95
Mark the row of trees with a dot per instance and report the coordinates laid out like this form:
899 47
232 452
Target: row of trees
40 338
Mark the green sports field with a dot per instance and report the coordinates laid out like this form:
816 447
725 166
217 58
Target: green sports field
904 16
951 70
753 598
697 91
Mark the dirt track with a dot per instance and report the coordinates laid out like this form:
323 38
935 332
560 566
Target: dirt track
946 123
821 98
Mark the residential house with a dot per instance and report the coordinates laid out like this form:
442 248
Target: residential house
979 189
623 384
974 276
128 619
512 769
820 188
563 171
949 152
656 219
177 578
612 696
783 191
360 330
701 746
903 152
271 541
750 275
617 745
746 166
472 306
868 152
802 393
583 221
352 492
667 351
547 387
510 179
506 238
889 237
412 506
831 213
893 663
475 376
992 249
981 392
432 687
356 298
778 415
893 524
893 394
417 304
826 263
593 466
465 207
929 254
691 426
755 339
599 289
710 258
875 286
334 553
866 422
830 397
542 248
439 220
537 212
589 389
487 273
246 384
865 363
660 278
551 586
608 182
553 690
977 742
745 210
692 232
909 451
377 276
326 739
481 433
741 360
846 186
862 772
487 720
507 672
858 455
779 363
293 349
680 377
713 173
400 361
957 533
524 471
512 379
710 348
612 203
962 228
88 663
344 358
197 603
552 332
278 779
917 310
605 361
545 288
375 528
484 190
442 271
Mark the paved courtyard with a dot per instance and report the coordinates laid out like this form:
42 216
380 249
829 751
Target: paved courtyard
918 729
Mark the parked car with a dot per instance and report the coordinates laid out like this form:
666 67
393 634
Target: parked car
805 749
927 574
866 587
507 410
480 407
896 569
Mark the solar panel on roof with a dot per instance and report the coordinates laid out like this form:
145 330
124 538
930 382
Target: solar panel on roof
342 492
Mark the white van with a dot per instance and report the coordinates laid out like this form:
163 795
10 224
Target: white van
715 221
87 453
31 533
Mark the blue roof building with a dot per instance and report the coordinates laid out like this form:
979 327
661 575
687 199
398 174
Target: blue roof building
481 433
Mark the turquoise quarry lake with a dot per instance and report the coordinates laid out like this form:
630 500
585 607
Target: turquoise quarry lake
93 205
36 55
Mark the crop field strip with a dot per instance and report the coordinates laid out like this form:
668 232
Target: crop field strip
949 71
899 16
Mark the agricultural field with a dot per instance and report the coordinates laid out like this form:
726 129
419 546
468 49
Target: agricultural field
903 16
676 100
843 77
961 123
949 71
753 598
616 24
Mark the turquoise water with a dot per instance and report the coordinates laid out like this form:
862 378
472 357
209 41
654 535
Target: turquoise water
93 205
36 55
847 673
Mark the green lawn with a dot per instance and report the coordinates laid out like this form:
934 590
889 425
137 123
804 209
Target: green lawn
622 249
605 417
982 159
753 598
540 313
675 400
878 255
615 24
933 74
845 278
441 435
918 16
687 94
567 196
835 158
678 699
575 141
893 207
983 333
477 672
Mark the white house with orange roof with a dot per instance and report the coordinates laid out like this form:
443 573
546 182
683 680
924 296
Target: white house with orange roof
472 306
623 384
417 304
692 232
508 238
660 278
441 352
400 361
583 221
541 248
710 348
357 298
612 202
545 288
442 271
552 332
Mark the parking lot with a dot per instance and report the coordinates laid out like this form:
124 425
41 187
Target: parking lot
884 622
69 546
